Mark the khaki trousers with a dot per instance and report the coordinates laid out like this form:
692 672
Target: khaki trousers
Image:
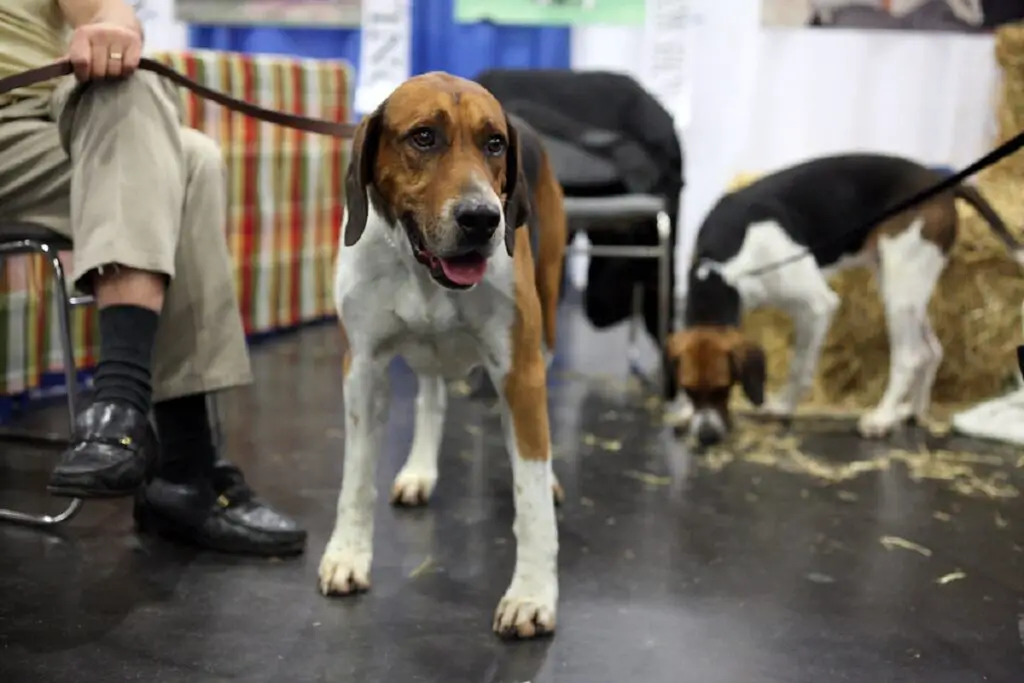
110 166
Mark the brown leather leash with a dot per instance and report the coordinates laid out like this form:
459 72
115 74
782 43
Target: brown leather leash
280 118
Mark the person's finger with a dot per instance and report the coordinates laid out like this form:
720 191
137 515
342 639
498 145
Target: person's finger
115 61
80 55
132 55
100 58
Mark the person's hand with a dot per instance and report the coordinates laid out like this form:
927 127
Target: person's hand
104 50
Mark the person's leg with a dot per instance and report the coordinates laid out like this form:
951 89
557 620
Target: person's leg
126 249
200 348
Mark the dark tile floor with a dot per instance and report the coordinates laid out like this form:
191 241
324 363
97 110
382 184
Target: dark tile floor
772 562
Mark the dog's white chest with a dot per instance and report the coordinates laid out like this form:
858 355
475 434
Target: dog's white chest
442 333
396 310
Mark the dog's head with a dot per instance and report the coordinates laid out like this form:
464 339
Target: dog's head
706 362
440 158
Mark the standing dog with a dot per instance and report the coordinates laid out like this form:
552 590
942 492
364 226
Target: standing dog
820 206
431 269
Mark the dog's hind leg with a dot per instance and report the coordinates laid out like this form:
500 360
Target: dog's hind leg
910 268
345 565
415 481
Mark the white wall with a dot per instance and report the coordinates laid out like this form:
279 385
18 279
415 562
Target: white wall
765 98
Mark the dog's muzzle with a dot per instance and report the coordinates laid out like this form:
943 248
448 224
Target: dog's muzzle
707 427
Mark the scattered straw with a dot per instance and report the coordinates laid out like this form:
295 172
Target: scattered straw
950 577
766 444
648 478
890 542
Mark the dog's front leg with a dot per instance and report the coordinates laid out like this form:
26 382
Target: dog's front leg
345 566
812 317
529 606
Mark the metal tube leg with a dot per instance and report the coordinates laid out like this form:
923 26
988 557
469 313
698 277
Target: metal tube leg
665 297
71 379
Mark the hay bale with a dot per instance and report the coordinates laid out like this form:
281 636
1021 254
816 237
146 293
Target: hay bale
1010 108
976 312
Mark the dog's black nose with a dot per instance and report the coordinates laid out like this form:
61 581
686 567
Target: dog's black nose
477 219
707 435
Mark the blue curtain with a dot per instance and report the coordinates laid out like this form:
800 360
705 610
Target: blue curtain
438 43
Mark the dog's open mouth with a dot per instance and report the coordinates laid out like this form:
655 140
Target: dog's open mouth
460 271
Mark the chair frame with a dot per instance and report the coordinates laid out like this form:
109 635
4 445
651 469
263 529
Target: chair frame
49 249
663 252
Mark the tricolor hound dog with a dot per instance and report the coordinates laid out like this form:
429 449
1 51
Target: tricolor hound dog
821 206
431 270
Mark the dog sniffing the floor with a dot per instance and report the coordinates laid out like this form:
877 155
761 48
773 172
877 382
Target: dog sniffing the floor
822 207
435 268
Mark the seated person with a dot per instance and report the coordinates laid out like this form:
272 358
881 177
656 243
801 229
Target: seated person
103 158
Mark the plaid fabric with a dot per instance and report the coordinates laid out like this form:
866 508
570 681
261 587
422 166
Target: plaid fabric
285 210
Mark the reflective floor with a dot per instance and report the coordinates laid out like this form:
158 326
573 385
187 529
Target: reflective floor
772 561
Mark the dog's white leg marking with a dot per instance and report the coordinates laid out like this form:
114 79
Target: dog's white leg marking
345 565
909 269
812 303
529 606
415 481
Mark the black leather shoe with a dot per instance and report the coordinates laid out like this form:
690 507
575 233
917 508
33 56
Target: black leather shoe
227 519
111 452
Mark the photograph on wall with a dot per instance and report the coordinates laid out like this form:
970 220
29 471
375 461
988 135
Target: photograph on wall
308 13
551 12
959 16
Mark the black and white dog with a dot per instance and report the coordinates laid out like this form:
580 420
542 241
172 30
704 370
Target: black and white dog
821 206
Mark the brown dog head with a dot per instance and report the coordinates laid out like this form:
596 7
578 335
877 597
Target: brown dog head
706 362
440 157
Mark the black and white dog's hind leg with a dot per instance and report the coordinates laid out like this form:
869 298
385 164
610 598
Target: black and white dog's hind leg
909 269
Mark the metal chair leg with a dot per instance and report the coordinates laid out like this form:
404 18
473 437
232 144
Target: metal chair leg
665 297
71 380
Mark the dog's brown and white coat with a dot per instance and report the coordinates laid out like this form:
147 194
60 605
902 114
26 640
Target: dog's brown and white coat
432 269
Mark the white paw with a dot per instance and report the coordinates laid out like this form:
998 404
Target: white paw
526 614
412 488
877 423
778 405
343 572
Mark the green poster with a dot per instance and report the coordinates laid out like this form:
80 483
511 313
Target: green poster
551 12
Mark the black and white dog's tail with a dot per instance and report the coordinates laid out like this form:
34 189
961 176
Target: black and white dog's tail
971 195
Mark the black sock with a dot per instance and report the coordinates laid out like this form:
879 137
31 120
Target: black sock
187 452
126 349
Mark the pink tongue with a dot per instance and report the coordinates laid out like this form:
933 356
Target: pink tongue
464 272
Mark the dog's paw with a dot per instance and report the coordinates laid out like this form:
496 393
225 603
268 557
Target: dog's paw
412 488
877 423
520 615
344 572
778 406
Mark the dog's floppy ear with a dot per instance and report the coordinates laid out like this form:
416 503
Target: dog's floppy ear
750 367
675 349
517 203
360 174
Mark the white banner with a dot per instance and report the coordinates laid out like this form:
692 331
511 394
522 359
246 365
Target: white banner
667 70
384 60
163 32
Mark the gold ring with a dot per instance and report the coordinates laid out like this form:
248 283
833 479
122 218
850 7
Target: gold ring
116 56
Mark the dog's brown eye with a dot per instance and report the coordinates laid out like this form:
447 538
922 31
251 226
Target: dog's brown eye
423 138
495 145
